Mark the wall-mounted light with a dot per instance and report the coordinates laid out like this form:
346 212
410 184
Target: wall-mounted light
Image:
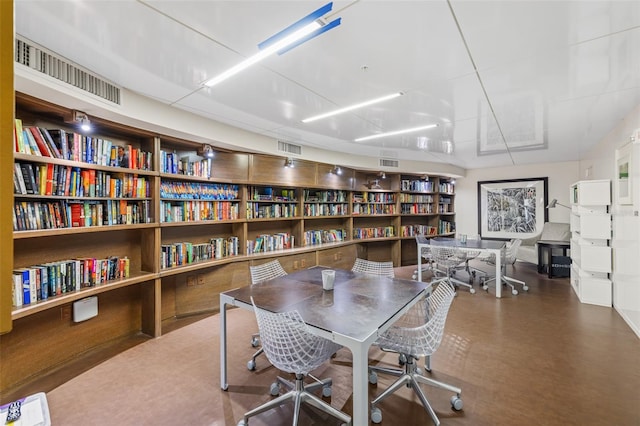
206 151
382 175
555 203
289 163
425 177
336 170
82 119
452 181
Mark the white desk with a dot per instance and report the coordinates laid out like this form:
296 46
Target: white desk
352 315
487 246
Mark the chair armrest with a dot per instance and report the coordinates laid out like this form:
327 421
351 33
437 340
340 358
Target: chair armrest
530 241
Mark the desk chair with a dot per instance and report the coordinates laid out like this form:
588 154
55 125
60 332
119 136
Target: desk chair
509 255
416 335
260 273
291 347
373 268
447 260
425 252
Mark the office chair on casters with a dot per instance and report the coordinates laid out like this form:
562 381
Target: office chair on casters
508 257
260 273
373 268
416 335
447 259
425 252
291 347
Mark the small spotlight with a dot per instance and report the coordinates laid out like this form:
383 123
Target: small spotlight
452 182
206 151
336 170
425 177
382 175
82 118
289 163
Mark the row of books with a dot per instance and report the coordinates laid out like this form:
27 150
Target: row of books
58 143
311 238
445 200
445 208
414 230
270 211
58 180
415 198
447 187
375 232
417 185
39 282
374 197
312 210
445 227
265 243
267 193
198 191
311 195
191 211
371 209
31 216
184 253
172 162
416 208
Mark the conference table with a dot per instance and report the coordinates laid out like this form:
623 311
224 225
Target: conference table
486 246
359 308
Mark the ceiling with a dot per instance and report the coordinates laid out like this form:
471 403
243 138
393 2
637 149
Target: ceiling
507 82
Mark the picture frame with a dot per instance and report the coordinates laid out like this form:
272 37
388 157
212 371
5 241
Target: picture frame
624 175
512 208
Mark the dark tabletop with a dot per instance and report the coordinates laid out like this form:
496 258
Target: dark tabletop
471 244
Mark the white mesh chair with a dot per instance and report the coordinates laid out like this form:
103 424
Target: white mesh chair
508 258
291 347
416 335
260 273
373 268
447 259
425 253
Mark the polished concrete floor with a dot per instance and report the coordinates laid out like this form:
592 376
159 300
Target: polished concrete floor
538 358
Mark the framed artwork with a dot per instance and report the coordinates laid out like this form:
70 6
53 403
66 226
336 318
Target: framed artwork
514 208
624 175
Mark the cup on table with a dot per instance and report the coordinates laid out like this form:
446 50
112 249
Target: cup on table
463 238
328 277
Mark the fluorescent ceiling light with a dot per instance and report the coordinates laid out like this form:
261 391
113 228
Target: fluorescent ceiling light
352 107
295 34
394 133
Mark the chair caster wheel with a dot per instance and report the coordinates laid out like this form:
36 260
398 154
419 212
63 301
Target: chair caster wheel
472 290
251 365
242 423
255 342
485 287
326 391
373 378
402 359
376 415
274 389
456 403
525 288
414 277
514 292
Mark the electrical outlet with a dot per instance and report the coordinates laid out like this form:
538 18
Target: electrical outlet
65 313
191 280
303 263
200 279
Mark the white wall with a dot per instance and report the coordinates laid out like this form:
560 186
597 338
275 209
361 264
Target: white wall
561 176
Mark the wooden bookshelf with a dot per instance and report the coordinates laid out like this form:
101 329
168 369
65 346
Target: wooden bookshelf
298 212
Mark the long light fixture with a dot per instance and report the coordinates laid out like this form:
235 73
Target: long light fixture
295 34
395 132
352 107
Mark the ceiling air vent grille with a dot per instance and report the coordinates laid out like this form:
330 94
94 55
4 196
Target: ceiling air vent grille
38 59
289 148
385 162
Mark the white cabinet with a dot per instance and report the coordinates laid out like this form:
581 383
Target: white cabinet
590 241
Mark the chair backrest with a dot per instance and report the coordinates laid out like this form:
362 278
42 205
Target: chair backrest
419 332
511 251
266 271
289 344
448 257
425 251
374 268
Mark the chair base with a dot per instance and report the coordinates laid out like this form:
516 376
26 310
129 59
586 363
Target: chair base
412 378
299 393
507 281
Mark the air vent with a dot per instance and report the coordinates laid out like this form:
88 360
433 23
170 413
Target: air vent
289 148
385 162
34 57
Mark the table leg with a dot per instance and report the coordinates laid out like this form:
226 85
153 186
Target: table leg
360 385
540 259
549 259
223 345
419 263
498 273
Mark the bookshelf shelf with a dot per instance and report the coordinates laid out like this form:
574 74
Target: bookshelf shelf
80 230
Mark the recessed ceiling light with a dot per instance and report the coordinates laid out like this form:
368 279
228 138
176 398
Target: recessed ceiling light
395 132
352 107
